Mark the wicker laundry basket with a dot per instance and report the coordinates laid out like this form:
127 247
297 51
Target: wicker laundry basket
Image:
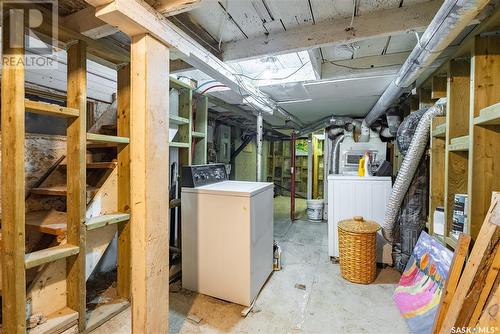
357 249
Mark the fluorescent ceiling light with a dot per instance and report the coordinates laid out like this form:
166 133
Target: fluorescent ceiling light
321 82
294 101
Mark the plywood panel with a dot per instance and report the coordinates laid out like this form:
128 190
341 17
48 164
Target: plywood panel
485 163
459 98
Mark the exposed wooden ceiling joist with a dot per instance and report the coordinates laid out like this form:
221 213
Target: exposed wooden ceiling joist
371 25
134 18
85 22
174 7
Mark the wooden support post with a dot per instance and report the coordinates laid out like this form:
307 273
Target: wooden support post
123 127
13 208
315 167
149 184
76 178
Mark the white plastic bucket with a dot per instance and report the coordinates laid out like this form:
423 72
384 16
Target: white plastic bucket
315 209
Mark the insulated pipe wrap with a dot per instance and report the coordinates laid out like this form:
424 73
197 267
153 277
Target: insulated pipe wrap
450 20
409 166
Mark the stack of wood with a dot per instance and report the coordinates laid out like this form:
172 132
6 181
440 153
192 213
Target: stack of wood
472 298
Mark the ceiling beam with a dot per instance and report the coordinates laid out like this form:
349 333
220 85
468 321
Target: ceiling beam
380 23
166 7
174 7
388 63
315 59
179 65
85 22
133 18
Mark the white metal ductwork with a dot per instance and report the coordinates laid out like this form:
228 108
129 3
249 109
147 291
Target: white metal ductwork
450 20
409 166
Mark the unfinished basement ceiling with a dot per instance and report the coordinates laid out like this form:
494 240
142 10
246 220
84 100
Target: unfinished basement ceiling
232 20
349 77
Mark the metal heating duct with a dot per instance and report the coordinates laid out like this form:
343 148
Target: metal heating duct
450 20
409 166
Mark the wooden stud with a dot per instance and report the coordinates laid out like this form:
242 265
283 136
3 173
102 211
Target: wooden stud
149 151
315 167
76 179
454 273
13 183
437 163
484 158
123 128
184 133
200 148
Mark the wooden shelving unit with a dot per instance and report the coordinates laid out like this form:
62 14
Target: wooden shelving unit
191 120
471 139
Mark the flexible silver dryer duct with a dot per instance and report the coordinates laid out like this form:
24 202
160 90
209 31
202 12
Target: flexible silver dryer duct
409 166
335 155
450 20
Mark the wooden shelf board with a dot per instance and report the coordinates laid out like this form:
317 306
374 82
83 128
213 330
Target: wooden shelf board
98 138
96 165
439 131
179 145
49 109
459 144
489 116
198 134
174 119
105 220
57 322
47 221
104 312
59 191
98 146
177 84
450 241
47 255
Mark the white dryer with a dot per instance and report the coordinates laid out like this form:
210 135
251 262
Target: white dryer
227 236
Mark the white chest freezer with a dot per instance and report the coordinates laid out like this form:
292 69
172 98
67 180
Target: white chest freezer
227 239
350 196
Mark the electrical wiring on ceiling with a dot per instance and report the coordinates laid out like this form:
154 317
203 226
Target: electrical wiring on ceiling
270 79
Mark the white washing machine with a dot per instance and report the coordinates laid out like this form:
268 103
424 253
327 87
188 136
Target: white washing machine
350 196
227 235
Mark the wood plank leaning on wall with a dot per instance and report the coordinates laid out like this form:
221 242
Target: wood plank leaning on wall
13 208
149 184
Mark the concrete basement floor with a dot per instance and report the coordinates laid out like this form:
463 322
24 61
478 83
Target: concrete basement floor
328 304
